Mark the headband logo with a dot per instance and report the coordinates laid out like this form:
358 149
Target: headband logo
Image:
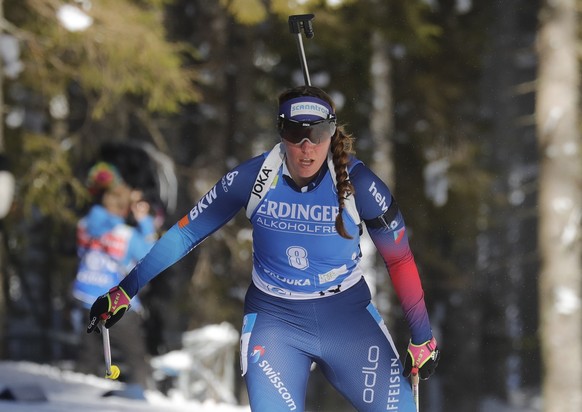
310 109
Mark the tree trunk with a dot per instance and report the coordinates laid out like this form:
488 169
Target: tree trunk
560 200
382 118
381 128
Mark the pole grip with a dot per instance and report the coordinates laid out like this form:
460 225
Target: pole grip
298 22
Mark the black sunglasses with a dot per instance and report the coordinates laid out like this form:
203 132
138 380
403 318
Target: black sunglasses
296 131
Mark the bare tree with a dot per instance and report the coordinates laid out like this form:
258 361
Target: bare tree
381 128
560 206
381 118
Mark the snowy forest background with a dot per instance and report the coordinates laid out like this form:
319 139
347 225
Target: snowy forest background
468 109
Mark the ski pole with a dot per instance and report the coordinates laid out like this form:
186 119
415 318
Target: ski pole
298 22
415 379
111 371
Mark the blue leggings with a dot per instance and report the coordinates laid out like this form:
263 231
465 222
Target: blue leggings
344 334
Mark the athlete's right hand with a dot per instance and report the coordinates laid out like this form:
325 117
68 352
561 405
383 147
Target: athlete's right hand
422 359
109 308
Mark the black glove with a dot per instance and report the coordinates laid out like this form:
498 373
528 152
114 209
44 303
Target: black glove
109 308
422 359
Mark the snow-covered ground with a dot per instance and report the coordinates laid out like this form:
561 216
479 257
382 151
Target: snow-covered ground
69 391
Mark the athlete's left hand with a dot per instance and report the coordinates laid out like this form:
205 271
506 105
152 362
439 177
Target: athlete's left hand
422 359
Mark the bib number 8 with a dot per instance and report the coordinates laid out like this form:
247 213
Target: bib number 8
297 257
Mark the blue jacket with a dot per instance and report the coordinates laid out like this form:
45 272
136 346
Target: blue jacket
107 248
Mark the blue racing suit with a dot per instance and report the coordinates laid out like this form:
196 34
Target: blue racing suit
308 301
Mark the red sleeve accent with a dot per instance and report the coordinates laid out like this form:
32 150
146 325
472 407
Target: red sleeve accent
395 251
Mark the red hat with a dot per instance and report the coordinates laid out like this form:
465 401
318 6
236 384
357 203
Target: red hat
102 176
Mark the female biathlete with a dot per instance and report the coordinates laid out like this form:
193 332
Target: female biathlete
308 300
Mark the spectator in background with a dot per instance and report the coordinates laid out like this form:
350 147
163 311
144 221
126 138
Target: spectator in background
108 247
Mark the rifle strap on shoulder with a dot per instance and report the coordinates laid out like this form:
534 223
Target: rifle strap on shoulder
269 171
265 177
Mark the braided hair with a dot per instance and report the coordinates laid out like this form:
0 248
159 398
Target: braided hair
341 149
